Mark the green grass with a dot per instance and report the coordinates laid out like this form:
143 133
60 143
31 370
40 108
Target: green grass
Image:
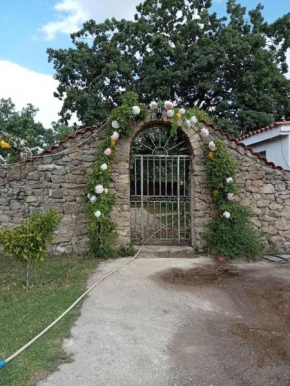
24 313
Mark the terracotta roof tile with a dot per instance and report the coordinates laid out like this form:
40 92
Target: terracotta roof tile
264 129
65 140
237 141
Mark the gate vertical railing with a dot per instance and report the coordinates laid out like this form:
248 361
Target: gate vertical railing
160 195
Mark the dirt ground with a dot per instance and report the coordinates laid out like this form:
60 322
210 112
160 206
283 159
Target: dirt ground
261 296
182 322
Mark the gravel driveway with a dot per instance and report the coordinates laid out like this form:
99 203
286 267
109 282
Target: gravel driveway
179 322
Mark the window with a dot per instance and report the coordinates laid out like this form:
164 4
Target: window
263 153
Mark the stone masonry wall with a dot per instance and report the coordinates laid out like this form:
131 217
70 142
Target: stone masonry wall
55 180
58 180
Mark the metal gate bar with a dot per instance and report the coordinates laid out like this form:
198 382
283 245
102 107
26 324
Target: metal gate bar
160 195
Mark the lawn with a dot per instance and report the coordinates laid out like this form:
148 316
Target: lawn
24 313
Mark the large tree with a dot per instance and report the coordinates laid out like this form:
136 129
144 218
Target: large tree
233 67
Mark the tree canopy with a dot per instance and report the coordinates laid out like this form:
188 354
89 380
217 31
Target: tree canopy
22 124
232 67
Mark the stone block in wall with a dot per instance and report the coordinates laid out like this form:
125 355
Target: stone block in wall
48 167
71 207
35 176
267 189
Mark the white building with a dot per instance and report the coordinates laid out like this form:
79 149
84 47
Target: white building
271 142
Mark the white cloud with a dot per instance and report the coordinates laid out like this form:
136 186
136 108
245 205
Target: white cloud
25 86
71 14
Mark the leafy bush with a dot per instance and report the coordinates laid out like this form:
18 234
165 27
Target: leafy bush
28 242
232 236
126 250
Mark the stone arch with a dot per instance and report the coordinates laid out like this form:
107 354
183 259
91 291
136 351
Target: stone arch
200 199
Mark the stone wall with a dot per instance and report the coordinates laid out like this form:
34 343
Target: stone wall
58 180
55 180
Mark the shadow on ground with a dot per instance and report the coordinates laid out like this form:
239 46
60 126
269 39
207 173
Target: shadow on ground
251 341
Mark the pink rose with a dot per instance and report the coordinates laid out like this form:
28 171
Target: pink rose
168 105
115 136
108 152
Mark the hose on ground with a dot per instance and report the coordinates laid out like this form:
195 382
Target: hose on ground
4 362
277 258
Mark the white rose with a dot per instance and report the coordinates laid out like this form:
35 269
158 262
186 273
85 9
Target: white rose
193 120
230 196
97 213
212 146
106 190
187 123
115 124
227 214
93 199
136 110
204 132
229 180
104 166
153 105
99 189
170 113
181 111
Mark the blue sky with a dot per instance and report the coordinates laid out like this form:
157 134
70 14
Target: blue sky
29 27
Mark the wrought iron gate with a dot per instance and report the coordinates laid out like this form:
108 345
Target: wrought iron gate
160 197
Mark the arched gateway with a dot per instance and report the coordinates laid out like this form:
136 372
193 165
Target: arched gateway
58 179
160 187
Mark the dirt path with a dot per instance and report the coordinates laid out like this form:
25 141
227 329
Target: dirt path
179 322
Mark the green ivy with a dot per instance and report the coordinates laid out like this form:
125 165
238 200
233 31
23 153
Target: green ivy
102 229
235 236
189 113
219 168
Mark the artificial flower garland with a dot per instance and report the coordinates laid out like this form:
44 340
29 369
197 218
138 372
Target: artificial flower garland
15 149
179 115
99 202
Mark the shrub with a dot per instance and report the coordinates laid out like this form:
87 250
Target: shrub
126 250
234 235
28 242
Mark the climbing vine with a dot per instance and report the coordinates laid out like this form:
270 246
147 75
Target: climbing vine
99 202
230 233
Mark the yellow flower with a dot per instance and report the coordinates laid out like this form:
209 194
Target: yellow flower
4 145
113 142
211 155
215 192
178 115
109 168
